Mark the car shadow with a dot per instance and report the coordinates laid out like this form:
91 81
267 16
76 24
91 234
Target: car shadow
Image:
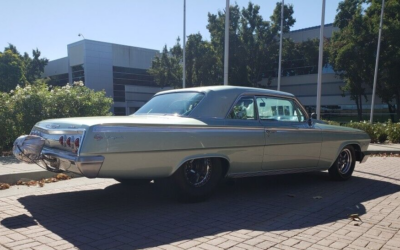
150 216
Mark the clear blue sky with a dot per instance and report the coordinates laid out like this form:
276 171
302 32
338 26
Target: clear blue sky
50 25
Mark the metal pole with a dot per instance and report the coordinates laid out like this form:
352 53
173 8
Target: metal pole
226 56
320 57
376 64
280 50
184 45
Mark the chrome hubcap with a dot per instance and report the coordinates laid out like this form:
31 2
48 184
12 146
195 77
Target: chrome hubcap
344 161
198 172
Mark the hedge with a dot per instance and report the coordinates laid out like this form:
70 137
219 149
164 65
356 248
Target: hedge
379 132
23 107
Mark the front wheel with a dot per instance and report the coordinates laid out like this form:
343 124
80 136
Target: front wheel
197 179
343 167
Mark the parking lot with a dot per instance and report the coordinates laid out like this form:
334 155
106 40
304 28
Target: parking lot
299 211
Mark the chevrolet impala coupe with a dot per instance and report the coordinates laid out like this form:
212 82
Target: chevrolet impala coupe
197 136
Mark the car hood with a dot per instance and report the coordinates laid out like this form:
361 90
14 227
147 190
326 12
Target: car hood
85 122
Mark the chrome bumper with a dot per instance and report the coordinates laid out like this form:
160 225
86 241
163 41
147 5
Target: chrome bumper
364 156
88 166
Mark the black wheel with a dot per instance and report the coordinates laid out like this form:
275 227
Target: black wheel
133 182
197 179
343 167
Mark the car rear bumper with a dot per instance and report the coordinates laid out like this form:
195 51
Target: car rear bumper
58 161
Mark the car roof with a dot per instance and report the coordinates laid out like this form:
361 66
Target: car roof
219 99
229 89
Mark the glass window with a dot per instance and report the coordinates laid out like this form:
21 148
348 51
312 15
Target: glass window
118 111
243 109
179 104
278 109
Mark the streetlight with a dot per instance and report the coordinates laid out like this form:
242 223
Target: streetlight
184 45
80 34
226 56
280 48
321 50
376 64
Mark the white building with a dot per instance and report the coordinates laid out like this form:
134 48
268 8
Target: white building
120 70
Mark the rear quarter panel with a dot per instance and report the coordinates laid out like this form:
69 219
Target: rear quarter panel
133 151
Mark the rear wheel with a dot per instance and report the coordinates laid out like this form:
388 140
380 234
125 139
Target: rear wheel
343 167
197 179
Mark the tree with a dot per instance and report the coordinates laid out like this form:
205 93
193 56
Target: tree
166 68
351 50
16 69
202 65
11 70
34 66
253 46
388 87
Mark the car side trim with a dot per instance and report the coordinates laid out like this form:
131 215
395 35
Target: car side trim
273 172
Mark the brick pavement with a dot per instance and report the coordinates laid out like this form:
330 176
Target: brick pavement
275 212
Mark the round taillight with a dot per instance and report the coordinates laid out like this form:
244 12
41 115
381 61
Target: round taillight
61 140
69 141
77 142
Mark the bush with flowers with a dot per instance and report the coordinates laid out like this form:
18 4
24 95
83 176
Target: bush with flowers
23 107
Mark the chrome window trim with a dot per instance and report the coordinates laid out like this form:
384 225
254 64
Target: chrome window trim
254 94
168 93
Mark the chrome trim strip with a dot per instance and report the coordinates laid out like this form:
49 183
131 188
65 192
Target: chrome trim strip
365 156
124 129
181 150
292 129
342 131
273 172
59 132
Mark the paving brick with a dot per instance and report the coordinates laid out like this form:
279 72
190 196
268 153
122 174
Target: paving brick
338 245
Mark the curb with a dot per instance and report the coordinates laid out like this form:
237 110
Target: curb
36 176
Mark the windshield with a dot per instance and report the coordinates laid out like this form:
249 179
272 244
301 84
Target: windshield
178 104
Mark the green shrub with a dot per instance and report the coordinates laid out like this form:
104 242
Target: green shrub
24 107
393 131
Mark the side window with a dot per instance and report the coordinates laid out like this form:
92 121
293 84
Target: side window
243 109
278 109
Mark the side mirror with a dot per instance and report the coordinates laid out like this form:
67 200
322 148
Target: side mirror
313 116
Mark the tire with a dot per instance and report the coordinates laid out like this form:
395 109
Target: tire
197 179
133 182
343 167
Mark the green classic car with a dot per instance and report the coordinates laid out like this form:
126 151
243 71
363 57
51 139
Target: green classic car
197 136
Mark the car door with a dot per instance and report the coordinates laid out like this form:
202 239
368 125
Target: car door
246 137
290 143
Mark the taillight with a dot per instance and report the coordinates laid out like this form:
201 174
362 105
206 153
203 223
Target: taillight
77 142
61 140
69 141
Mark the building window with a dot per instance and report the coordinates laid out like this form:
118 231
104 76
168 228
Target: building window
78 73
132 76
118 111
119 93
59 80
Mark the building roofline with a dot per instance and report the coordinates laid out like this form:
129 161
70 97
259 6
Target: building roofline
89 40
311 28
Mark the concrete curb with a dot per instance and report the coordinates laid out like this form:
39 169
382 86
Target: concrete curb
36 176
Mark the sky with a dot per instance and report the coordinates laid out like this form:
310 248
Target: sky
50 25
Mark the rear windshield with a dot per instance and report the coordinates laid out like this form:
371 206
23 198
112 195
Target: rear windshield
178 104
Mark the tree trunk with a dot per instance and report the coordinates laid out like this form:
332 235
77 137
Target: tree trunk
359 107
398 107
392 109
